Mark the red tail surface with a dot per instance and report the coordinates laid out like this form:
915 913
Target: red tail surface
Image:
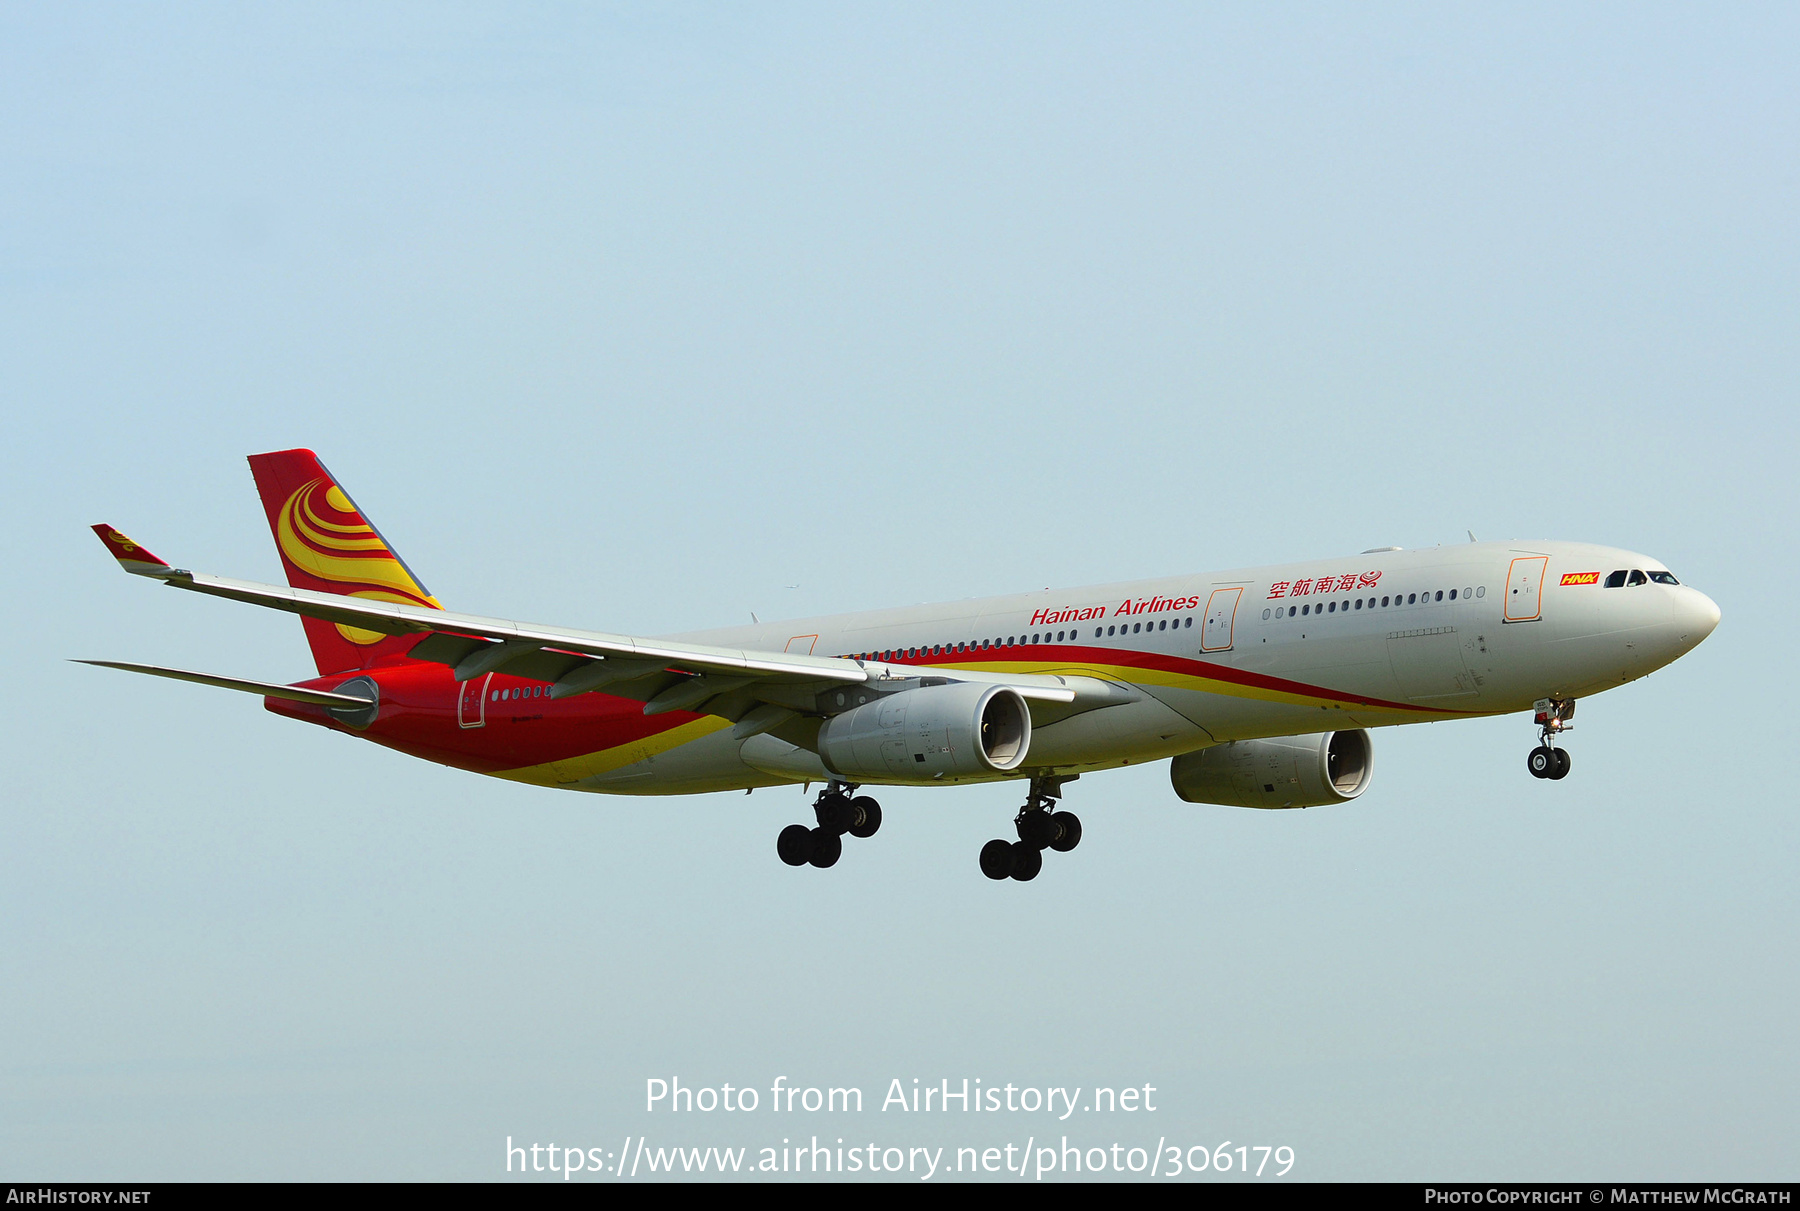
327 545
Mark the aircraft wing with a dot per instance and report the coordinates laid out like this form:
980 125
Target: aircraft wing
665 675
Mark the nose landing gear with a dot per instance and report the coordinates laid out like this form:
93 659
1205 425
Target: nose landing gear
839 810
1552 716
1039 828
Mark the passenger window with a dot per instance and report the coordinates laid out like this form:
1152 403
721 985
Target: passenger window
1440 595
1452 594
1616 579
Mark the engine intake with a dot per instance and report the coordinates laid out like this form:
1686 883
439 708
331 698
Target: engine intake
1284 771
959 730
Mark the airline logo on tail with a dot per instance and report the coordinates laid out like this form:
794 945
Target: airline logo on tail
130 555
321 533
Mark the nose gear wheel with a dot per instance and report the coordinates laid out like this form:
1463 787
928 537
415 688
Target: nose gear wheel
1552 717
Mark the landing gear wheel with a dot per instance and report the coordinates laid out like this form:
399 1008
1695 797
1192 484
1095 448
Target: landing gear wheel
835 814
867 816
1036 829
827 848
795 845
997 859
1069 831
1562 763
1542 762
1028 859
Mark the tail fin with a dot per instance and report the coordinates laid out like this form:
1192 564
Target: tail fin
327 545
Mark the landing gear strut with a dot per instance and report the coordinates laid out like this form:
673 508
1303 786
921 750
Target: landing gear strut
1040 827
1552 716
839 810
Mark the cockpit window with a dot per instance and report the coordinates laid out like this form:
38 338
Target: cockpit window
1616 580
1637 578
1663 578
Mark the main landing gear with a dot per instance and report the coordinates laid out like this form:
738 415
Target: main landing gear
839 810
1039 828
1552 716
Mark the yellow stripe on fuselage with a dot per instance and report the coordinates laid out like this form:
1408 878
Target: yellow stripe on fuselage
574 769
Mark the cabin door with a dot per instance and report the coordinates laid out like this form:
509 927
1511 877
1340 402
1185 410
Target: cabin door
1524 588
1221 616
471 702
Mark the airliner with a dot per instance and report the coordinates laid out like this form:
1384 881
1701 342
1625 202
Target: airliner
1259 686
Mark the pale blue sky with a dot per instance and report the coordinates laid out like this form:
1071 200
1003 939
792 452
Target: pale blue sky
630 318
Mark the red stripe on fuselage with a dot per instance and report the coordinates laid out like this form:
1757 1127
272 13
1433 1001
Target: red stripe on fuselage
419 705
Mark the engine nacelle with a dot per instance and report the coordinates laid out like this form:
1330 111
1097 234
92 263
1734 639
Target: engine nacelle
1285 771
960 730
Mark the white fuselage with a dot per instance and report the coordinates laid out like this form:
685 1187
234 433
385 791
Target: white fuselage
1371 640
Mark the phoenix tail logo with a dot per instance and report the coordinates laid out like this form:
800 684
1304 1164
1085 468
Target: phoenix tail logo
321 533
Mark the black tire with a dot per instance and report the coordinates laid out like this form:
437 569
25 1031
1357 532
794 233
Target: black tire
835 814
1036 829
828 847
870 812
1563 762
795 845
1028 859
1068 834
1541 762
997 859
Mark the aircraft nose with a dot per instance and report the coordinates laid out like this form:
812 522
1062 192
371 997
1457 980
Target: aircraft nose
1699 614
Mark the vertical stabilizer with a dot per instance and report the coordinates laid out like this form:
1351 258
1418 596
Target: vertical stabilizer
327 545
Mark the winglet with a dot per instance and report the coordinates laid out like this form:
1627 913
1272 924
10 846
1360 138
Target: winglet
131 557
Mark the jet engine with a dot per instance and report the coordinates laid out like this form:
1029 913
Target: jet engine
1286 771
959 730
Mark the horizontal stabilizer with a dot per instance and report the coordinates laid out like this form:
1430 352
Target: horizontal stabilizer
266 689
